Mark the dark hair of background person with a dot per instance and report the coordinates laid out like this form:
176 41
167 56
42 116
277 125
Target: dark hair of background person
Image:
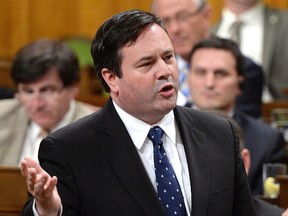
122 29
223 44
34 60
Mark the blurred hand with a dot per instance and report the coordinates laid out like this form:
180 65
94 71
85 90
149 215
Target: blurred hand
42 187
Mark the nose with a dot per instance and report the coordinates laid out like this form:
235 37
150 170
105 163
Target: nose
37 102
210 80
173 27
163 71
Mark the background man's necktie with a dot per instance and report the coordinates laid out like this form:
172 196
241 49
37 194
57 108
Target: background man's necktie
43 133
169 191
235 30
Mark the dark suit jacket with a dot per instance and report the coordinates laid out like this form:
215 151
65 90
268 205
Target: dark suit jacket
250 101
101 173
266 145
275 52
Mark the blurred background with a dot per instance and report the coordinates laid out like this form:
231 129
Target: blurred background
23 21
73 21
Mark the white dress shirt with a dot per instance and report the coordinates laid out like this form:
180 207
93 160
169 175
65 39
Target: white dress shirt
252 30
138 130
252 35
183 84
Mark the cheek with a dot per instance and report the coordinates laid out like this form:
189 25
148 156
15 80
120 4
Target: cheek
232 91
194 84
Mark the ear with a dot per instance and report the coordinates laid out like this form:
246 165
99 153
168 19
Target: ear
74 89
241 83
111 79
207 11
246 159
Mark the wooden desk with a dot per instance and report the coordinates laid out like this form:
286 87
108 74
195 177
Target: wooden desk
13 191
267 108
283 196
282 199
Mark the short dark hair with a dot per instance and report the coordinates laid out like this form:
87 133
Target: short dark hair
35 59
121 29
224 44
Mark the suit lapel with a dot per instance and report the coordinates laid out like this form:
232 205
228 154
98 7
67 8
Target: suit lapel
196 153
269 42
127 164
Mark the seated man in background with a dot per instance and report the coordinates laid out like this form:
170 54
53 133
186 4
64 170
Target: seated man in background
46 74
188 22
262 207
215 80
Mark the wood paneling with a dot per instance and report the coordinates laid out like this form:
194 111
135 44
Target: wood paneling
22 21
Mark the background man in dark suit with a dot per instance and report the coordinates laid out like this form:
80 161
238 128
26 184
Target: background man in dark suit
103 164
262 207
264 35
216 79
188 22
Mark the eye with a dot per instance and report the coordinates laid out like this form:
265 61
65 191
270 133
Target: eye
146 64
199 72
169 58
221 73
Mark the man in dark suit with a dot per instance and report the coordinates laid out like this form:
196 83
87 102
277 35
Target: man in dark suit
188 22
216 79
264 34
103 164
262 207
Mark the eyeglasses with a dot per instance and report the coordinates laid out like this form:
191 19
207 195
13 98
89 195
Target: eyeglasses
183 16
44 93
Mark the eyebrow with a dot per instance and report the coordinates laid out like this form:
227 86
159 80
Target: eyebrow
149 57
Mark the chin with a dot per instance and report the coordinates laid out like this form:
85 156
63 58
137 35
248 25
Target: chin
168 106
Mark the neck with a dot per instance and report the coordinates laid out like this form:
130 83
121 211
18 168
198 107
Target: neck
238 7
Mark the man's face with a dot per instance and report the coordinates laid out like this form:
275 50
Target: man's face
148 87
213 79
184 24
46 101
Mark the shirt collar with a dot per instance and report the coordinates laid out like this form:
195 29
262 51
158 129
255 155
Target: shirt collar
138 129
249 16
182 64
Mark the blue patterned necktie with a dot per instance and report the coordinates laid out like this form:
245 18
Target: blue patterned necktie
169 191
183 85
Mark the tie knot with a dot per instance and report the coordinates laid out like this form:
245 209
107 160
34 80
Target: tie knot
43 133
155 135
235 31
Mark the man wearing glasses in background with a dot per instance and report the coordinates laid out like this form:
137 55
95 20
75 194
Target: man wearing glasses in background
188 22
46 74
182 20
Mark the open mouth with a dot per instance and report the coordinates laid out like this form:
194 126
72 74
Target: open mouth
167 88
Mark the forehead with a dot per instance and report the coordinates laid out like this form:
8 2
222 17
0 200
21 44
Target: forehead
213 57
152 39
171 7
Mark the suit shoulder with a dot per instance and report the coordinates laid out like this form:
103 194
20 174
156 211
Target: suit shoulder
9 107
200 117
